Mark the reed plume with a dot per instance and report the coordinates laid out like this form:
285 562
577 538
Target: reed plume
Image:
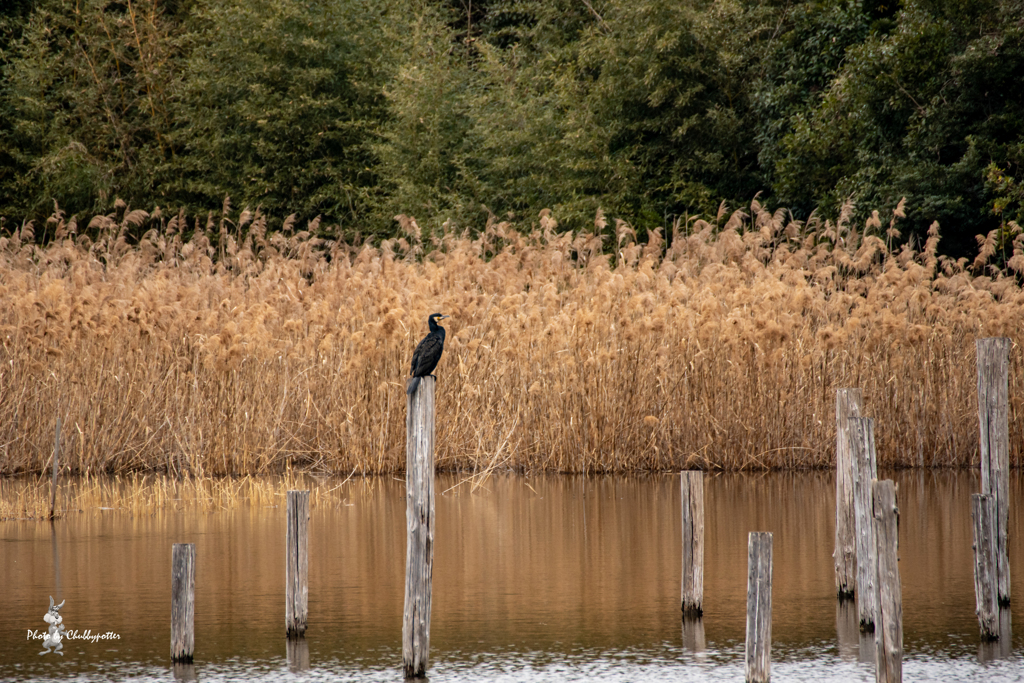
214 347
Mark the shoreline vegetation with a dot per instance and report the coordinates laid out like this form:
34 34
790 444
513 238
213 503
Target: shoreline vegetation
206 351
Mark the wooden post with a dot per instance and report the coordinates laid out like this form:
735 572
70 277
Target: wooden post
889 618
692 486
993 415
862 430
419 495
183 593
759 607
849 403
53 484
693 634
296 610
986 586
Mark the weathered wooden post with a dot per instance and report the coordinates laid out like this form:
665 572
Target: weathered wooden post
759 607
692 486
53 484
296 610
986 585
862 430
993 416
889 618
849 403
419 511
183 594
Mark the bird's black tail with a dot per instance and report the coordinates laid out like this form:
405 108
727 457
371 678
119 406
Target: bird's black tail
413 385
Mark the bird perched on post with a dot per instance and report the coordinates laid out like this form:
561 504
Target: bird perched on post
427 353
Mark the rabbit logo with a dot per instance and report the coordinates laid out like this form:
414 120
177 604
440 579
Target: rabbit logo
56 631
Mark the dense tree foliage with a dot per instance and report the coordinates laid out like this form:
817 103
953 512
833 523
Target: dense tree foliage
453 111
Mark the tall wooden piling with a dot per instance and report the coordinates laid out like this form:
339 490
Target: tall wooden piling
862 430
759 607
183 593
419 496
849 403
53 482
296 611
692 488
986 584
993 416
889 618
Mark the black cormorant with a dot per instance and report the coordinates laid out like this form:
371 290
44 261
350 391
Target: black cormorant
427 353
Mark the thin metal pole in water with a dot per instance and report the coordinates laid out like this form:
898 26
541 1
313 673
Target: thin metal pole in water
692 489
53 484
993 416
296 611
183 595
759 607
865 468
889 618
849 404
419 495
986 584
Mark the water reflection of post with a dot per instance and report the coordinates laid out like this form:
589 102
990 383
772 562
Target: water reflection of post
298 654
866 653
989 650
847 630
693 634
184 671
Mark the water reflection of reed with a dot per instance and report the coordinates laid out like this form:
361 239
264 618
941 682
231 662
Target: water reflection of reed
143 494
551 564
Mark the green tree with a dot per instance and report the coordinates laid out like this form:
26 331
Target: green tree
484 117
920 111
87 102
279 105
802 59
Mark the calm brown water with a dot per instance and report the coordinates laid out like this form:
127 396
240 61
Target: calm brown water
535 579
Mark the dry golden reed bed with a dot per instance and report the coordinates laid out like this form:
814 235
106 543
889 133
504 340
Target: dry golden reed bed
721 347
